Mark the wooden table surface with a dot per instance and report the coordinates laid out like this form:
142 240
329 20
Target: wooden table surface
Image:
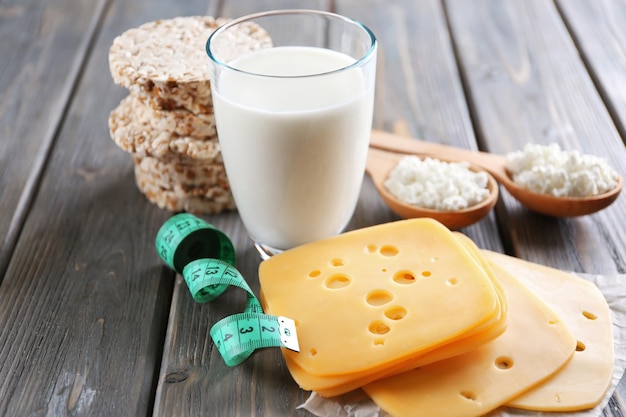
91 321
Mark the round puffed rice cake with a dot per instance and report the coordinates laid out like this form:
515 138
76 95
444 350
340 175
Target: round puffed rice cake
180 176
137 130
166 60
180 122
179 187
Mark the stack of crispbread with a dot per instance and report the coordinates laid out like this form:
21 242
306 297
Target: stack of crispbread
166 123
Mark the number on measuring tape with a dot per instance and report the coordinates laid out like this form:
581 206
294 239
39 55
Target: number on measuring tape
237 336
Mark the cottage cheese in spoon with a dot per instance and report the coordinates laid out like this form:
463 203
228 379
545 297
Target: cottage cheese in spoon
550 170
437 185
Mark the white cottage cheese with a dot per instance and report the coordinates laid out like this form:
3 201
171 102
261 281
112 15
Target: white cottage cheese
437 185
550 170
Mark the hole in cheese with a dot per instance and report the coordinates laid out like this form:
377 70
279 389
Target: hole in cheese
589 315
379 342
313 352
404 277
504 362
426 273
580 346
315 273
337 281
378 298
469 395
389 250
452 281
395 313
378 327
336 262
371 248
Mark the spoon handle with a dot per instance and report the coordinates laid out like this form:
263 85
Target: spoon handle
494 164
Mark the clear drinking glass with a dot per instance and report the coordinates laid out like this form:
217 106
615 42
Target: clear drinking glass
293 117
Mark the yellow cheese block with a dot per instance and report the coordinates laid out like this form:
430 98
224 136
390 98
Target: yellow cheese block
329 386
378 296
583 382
535 345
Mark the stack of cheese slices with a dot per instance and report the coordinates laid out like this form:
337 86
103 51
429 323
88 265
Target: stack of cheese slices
427 324
166 123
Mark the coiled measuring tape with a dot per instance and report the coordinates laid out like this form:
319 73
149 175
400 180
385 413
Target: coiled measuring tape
206 259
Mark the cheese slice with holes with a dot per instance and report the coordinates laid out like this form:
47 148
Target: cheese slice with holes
583 382
329 386
535 345
376 297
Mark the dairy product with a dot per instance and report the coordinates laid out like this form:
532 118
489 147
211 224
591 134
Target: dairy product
437 185
582 383
329 386
550 170
374 299
294 144
371 306
473 384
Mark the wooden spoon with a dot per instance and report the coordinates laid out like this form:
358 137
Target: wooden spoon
380 163
495 165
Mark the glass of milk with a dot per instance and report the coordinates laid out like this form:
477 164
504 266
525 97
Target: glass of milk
294 113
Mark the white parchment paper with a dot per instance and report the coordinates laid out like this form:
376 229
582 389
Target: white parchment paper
358 404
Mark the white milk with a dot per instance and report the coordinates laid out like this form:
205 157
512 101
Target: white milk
294 148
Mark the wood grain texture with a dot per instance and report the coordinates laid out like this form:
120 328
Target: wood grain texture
598 30
238 8
526 83
84 302
91 321
43 47
419 90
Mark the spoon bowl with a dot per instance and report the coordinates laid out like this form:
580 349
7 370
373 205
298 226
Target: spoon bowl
496 165
564 206
380 164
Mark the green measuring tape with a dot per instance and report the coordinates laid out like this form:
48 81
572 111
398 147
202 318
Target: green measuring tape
206 259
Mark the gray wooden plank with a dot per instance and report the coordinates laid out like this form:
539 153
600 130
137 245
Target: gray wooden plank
420 92
598 30
42 49
238 8
85 300
526 83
